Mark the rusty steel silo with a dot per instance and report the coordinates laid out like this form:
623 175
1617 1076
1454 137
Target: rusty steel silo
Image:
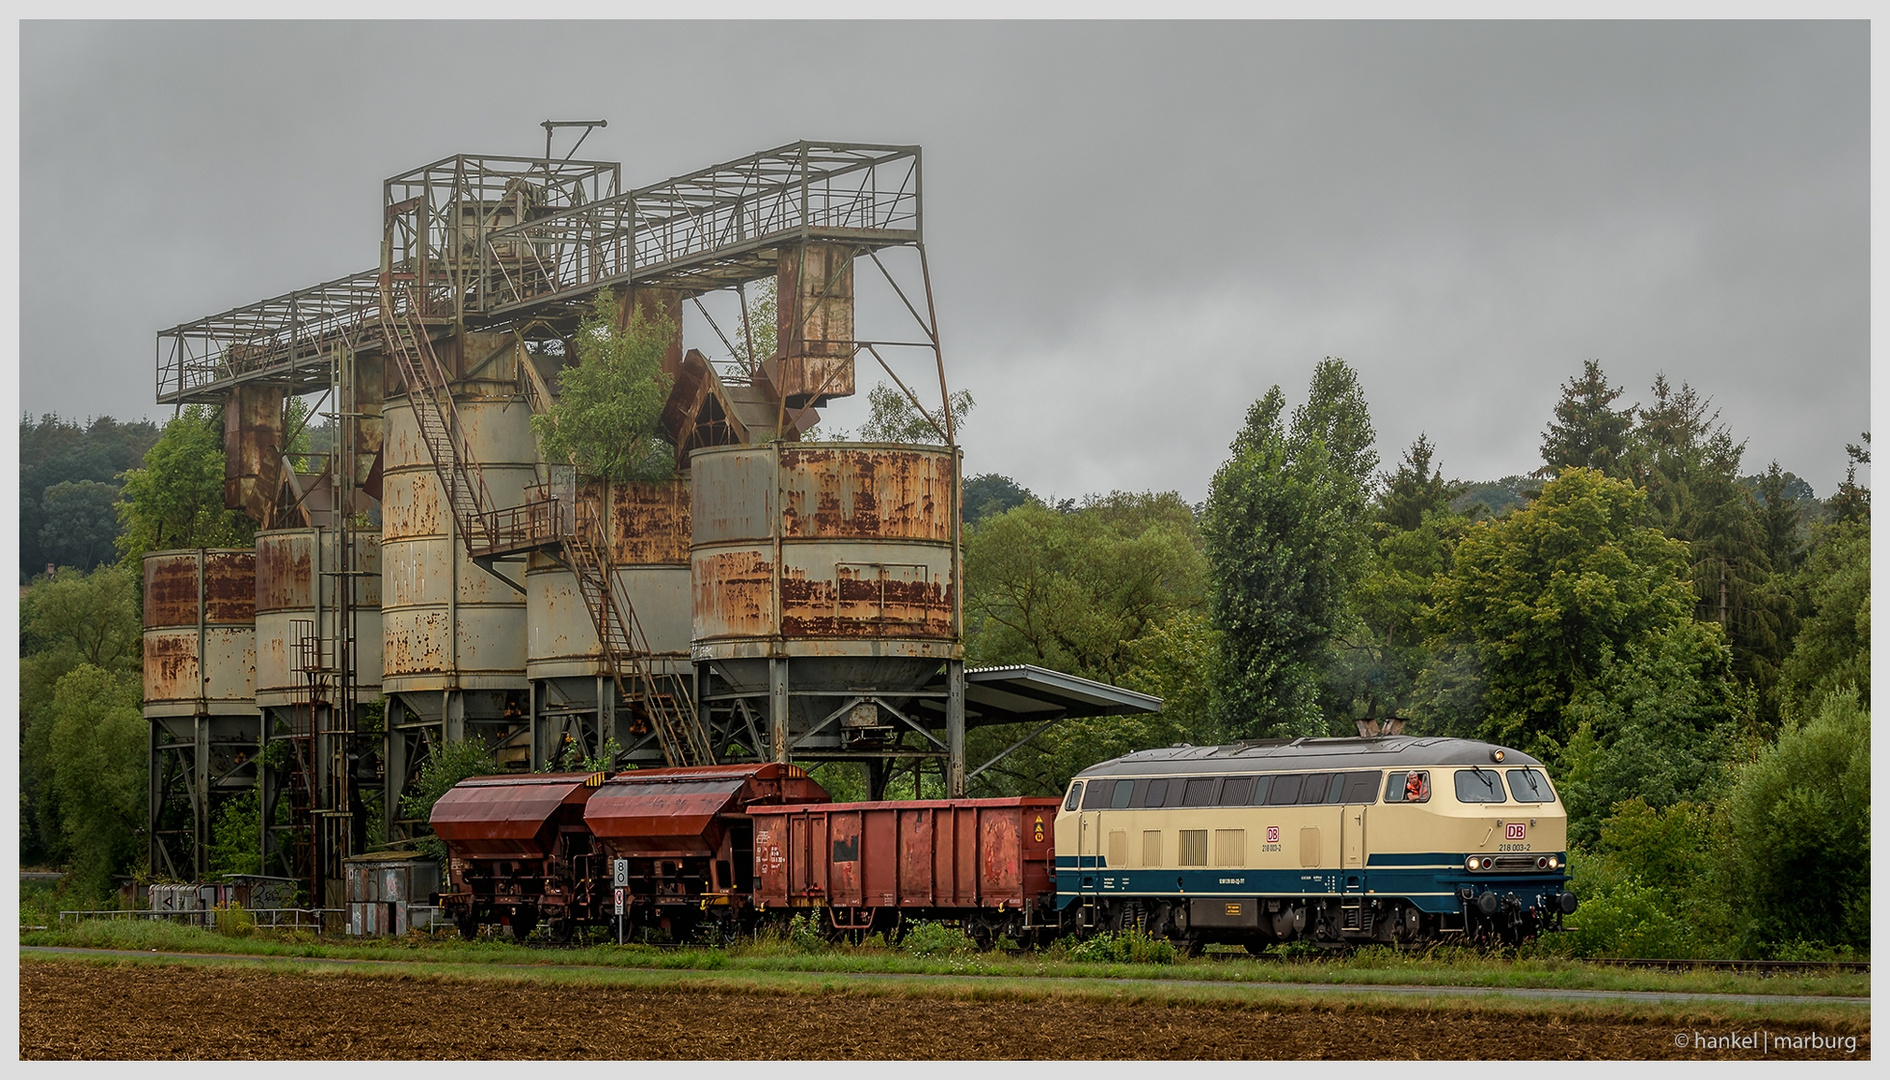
299 575
199 696
453 633
826 585
646 529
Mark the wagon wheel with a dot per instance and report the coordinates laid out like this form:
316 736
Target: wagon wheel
560 930
468 925
895 928
982 935
523 924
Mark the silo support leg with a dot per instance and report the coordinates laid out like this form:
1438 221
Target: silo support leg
778 709
955 728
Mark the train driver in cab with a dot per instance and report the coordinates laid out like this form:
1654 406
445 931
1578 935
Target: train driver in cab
1416 787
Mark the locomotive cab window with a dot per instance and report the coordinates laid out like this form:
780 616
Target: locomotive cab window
1096 795
1408 786
1529 785
1124 790
1076 796
1479 786
1261 785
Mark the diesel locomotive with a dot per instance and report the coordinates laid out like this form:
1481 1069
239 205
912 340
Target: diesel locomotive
1389 839
1392 840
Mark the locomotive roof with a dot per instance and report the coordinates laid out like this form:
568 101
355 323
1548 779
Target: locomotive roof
1274 755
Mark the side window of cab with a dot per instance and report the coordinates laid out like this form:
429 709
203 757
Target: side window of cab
1413 786
1075 796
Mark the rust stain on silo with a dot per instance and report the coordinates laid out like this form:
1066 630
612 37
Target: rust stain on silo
864 602
732 593
170 590
170 667
416 645
284 572
229 586
649 523
866 493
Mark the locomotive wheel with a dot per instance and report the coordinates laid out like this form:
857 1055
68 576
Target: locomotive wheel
1255 948
1188 944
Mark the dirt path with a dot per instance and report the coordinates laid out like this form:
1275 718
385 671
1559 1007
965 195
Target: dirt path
70 1010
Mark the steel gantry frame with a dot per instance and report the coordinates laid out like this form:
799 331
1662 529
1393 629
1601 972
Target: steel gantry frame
487 242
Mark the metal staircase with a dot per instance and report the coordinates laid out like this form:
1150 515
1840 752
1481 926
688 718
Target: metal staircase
431 395
665 698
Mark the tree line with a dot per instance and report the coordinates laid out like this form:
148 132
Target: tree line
1685 643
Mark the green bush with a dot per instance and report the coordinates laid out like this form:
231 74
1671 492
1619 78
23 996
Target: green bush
1125 947
804 933
1800 831
1627 921
934 939
233 921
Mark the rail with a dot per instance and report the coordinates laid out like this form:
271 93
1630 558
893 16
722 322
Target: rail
1763 967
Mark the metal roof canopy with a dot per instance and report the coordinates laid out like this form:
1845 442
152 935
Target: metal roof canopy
1023 693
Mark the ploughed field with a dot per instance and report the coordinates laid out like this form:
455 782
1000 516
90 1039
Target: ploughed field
149 1011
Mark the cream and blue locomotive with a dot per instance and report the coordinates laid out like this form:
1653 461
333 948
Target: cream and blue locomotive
1389 839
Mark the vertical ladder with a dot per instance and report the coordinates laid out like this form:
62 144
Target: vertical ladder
435 415
665 697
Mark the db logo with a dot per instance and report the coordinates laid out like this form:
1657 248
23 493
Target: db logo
1273 834
1514 830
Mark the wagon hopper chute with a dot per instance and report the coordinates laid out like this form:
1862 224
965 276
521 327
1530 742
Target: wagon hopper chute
519 852
687 838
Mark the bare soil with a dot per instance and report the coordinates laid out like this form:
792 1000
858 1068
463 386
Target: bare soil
149 1012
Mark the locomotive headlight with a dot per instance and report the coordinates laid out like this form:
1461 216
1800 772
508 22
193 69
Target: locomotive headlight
1470 863
1496 756
1554 862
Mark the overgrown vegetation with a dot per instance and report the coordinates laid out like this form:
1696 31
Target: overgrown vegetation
445 766
606 420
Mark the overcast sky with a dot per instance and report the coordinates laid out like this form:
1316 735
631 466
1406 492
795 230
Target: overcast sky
1134 229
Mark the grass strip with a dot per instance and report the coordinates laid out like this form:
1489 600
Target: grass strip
1440 967
1830 1017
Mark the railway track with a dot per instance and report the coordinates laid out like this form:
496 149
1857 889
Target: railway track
1763 967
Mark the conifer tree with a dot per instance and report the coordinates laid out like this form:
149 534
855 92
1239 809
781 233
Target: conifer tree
1587 432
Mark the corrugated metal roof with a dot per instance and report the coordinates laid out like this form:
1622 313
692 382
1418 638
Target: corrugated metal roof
1397 751
1019 693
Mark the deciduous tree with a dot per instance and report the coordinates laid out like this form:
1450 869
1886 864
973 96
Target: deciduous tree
1285 529
610 403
